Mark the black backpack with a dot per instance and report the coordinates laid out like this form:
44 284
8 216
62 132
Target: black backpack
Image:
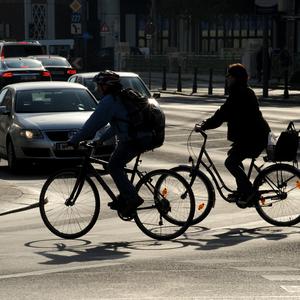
145 115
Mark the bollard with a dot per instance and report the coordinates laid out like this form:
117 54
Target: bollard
164 82
286 85
195 81
210 87
226 84
179 86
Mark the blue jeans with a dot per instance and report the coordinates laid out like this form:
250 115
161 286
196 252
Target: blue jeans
124 152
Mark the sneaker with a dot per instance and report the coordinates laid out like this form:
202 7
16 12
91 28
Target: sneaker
117 204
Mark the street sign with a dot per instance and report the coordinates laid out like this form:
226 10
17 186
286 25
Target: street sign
75 5
104 28
76 28
76 17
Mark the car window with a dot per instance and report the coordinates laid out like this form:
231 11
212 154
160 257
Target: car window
22 63
7 100
67 100
72 79
21 50
136 84
2 95
53 62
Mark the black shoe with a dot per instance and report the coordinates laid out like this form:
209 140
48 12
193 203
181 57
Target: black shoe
131 206
117 204
247 201
234 197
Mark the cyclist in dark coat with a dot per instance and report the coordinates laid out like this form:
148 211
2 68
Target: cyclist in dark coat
247 129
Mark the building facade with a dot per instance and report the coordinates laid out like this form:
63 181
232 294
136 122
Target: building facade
81 28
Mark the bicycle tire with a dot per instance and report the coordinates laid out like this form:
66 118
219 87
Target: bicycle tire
204 192
279 189
163 202
68 222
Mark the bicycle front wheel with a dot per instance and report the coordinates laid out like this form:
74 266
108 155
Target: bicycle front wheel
168 207
69 220
203 190
279 189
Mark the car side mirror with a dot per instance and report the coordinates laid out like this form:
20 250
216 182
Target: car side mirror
4 111
156 95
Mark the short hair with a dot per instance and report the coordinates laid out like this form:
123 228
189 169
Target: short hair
238 71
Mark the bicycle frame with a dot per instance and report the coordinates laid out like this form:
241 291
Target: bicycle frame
213 171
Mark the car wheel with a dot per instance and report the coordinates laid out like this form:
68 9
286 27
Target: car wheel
11 157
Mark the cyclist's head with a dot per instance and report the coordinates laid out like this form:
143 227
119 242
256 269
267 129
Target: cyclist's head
108 81
238 73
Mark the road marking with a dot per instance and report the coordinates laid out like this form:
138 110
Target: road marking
282 277
57 270
291 288
266 269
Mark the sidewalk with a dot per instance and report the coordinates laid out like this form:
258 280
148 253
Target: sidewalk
13 199
155 83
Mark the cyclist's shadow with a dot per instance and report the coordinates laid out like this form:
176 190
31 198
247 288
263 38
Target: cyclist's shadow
61 254
230 237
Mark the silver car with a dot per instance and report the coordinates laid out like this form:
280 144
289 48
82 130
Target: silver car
128 80
34 116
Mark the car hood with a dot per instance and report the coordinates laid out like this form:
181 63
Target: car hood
52 121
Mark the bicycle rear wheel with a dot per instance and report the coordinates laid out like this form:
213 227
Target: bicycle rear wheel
65 220
203 190
168 207
279 188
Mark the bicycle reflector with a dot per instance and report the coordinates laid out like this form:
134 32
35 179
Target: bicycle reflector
262 201
201 206
164 192
298 184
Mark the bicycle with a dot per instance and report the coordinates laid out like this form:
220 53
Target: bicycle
277 186
70 201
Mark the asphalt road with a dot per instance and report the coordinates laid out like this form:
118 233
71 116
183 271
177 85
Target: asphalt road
232 254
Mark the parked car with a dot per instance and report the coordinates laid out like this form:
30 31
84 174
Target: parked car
20 49
128 79
58 66
34 116
13 70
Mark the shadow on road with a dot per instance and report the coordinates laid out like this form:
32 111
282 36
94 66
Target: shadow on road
60 251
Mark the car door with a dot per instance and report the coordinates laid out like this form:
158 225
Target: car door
5 119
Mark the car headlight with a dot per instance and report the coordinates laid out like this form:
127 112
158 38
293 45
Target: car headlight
31 134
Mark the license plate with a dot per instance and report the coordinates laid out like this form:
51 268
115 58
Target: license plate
28 77
57 72
63 147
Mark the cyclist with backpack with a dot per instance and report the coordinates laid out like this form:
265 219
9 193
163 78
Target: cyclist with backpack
112 110
247 129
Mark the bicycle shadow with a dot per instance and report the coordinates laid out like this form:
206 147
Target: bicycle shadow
62 252
228 237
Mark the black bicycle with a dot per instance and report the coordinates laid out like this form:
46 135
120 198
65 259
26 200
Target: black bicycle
70 201
277 185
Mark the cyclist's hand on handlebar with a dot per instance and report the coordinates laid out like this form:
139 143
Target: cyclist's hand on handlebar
199 127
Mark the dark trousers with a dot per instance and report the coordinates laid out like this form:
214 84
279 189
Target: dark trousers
124 152
234 164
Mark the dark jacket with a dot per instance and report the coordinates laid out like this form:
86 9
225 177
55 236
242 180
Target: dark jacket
246 125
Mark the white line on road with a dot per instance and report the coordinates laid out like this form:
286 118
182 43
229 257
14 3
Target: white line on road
291 288
282 277
56 270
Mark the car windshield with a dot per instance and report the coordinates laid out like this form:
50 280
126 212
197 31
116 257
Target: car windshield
21 63
65 100
55 62
21 50
127 82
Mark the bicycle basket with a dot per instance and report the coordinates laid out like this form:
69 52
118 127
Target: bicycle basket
287 144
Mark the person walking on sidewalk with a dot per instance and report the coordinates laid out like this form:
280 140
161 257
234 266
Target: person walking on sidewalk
247 129
112 110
